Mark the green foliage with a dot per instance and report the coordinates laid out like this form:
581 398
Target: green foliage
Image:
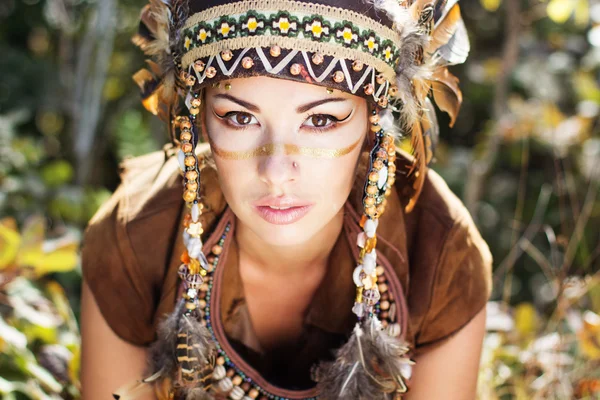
529 121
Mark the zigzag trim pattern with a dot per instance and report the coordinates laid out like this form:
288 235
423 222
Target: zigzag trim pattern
368 76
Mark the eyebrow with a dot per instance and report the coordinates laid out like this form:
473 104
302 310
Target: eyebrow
241 102
306 107
300 109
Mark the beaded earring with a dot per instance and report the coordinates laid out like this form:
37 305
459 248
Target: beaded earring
183 332
380 179
372 361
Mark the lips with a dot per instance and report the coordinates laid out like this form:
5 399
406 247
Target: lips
282 210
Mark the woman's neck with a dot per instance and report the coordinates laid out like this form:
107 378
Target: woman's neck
288 259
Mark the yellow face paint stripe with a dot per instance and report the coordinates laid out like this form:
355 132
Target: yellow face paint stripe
280 148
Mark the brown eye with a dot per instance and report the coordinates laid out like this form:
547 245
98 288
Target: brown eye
242 118
319 120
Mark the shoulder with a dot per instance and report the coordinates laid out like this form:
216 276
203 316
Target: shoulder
450 264
128 243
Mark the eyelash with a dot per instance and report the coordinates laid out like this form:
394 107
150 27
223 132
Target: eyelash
334 121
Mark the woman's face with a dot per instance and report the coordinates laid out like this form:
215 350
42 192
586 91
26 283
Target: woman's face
285 152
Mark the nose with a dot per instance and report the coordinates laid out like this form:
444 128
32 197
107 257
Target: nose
278 171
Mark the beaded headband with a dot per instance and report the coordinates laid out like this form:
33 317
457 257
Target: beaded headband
393 53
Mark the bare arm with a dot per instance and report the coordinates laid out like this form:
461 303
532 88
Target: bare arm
450 371
107 361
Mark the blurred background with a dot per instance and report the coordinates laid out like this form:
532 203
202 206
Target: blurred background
524 156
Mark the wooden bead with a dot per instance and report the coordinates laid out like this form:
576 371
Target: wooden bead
318 58
374 119
338 77
190 161
372 189
275 51
369 89
187 147
378 164
370 210
221 361
379 270
380 79
393 91
226 55
369 201
217 249
375 128
247 62
253 393
357 65
383 288
191 175
211 72
196 102
185 136
385 305
295 69
199 65
374 176
237 380
189 196
195 110
383 102
190 80
193 186
230 373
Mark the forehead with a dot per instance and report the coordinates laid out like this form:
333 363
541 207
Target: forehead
283 92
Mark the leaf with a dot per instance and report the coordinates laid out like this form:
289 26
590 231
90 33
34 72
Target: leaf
10 336
589 335
490 5
526 319
559 11
44 377
61 260
57 173
10 241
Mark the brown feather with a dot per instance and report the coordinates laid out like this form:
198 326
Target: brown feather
446 93
418 169
444 31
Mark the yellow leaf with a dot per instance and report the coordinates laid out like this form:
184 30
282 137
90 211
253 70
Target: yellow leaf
60 301
559 11
552 116
526 320
589 336
62 259
490 5
10 240
582 13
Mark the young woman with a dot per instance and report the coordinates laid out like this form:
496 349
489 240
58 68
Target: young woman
299 263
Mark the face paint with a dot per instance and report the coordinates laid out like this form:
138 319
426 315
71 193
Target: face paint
287 149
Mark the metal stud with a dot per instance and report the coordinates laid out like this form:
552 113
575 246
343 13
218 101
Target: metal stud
338 77
295 69
275 51
247 62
